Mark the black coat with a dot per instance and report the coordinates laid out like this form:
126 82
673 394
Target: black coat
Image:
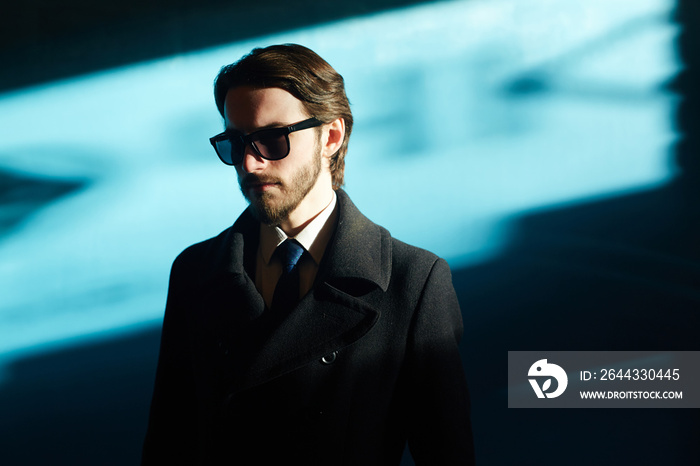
367 360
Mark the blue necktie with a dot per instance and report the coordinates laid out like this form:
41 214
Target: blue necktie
287 290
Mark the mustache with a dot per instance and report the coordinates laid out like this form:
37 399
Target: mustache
251 179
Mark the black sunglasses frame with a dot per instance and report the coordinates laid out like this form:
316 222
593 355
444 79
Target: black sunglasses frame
244 139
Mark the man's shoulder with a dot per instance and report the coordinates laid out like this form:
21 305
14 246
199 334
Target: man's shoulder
403 255
199 257
220 249
204 248
404 252
416 266
420 278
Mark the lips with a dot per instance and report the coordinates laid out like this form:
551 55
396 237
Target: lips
257 184
261 187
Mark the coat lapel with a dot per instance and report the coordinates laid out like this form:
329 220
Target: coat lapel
333 314
233 265
324 321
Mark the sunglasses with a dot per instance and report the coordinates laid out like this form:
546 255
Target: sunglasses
270 144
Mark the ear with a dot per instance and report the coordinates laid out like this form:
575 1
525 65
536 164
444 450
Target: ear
333 136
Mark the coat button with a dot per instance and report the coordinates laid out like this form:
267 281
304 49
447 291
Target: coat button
222 347
329 359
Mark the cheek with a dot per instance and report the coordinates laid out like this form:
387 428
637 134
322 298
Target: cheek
305 144
282 168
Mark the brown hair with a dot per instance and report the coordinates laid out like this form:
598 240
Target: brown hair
301 72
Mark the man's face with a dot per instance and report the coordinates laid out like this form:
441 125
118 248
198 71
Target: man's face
274 188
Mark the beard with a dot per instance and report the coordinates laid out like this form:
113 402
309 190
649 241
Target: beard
272 208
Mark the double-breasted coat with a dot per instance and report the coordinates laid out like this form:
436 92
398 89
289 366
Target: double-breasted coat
366 361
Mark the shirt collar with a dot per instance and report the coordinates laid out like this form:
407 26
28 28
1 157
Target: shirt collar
314 237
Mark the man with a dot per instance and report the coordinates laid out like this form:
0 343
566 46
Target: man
304 334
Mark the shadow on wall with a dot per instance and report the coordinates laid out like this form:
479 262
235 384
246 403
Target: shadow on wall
82 406
46 41
621 274
21 196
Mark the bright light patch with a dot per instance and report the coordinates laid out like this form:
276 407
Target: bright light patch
467 113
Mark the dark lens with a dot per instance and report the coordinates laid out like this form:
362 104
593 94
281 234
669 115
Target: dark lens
272 146
223 148
230 150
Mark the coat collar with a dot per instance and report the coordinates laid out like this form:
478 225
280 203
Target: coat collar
358 250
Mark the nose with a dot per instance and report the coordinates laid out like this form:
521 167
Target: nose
252 162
